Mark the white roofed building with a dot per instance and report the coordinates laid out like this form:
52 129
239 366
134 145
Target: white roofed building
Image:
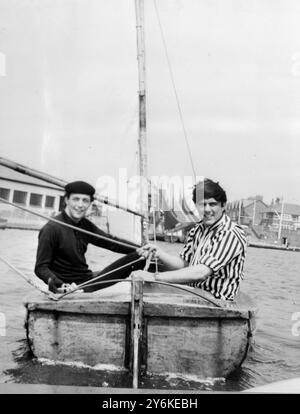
33 194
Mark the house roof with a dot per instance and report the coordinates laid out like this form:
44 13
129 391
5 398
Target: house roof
14 176
248 202
293 209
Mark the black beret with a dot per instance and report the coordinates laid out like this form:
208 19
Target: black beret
80 187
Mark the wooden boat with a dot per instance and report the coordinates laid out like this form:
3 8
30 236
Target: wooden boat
178 332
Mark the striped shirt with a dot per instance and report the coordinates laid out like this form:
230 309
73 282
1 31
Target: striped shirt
221 247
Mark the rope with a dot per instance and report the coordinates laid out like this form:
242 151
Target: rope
28 279
189 291
175 91
152 281
148 262
66 224
92 281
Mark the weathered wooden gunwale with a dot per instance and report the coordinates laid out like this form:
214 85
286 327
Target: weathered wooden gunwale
155 304
89 305
152 307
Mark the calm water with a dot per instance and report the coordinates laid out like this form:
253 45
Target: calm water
272 278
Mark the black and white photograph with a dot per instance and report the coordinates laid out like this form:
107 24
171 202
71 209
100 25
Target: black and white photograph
149 199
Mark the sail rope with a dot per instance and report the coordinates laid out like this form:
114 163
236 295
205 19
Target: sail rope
219 303
28 279
175 90
95 280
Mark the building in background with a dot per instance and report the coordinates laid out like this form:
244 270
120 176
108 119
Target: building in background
284 215
29 192
277 223
247 211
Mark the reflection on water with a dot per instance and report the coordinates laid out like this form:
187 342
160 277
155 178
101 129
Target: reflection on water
271 278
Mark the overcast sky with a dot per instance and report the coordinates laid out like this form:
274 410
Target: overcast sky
68 90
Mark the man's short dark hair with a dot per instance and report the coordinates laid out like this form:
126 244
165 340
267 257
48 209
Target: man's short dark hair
209 189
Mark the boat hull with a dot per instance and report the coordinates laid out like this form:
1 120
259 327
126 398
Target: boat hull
180 333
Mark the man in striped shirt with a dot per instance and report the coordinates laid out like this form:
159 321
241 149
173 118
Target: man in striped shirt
214 253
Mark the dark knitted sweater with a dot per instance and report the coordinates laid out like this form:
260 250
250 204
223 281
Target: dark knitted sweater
61 250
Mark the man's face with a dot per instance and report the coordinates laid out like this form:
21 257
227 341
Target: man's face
211 210
77 205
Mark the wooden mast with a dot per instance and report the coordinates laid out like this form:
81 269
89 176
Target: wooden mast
143 164
136 283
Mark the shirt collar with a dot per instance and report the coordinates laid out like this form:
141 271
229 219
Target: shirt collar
69 220
221 222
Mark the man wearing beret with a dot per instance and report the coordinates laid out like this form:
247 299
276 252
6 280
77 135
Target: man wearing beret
61 250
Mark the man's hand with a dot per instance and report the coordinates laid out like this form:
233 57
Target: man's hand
54 284
66 287
142 274
149 249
